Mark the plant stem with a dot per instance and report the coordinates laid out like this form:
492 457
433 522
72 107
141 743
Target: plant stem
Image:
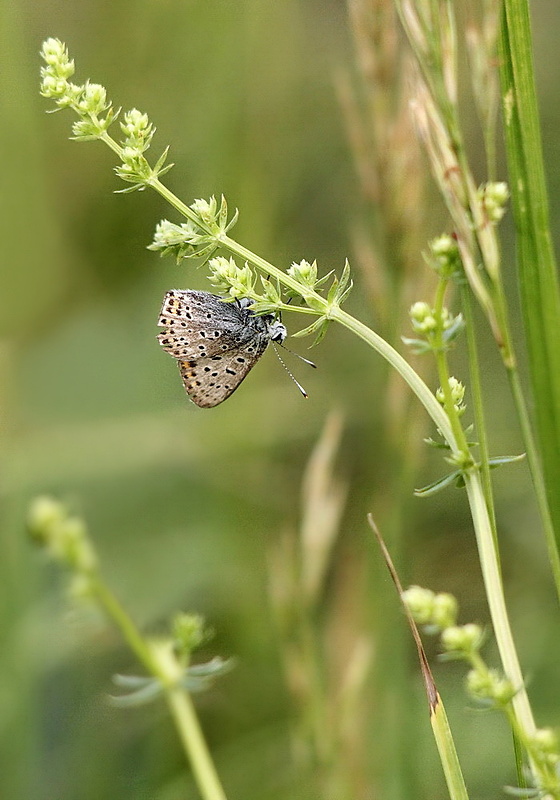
178 700
496 600
536 474
455 439
402 366
128 629
482 524
537 272
478 405
187 724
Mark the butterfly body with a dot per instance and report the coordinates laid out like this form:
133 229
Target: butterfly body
216 343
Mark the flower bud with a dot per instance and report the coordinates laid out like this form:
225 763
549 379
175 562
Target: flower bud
93 99
545 740
188 632
462 638
304 272
494 197
206 209
457 395
45 515
422 318
444 256
486 684
420 603
444 613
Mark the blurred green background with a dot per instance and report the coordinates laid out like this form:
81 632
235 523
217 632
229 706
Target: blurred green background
183 504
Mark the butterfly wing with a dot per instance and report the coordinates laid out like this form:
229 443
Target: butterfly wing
215 343
201 325
211 380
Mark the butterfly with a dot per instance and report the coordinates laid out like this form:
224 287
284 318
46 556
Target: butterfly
216 343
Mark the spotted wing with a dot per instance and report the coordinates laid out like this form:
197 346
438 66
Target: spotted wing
209 381
201 325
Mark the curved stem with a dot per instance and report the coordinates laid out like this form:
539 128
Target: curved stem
402 366
488 553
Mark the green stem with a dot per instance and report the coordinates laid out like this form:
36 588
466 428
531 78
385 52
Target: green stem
178 700
440 352
478 405
483 528
496 600
536 474
128 629
188 727
537 271
482 524
402 366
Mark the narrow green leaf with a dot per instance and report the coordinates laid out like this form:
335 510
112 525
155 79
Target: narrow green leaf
497 461
537 275
438 717
437 486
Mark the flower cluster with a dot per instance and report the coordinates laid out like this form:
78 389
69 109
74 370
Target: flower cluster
200 236
228 277
54 77
437 614
435 611
64 536
493 198
96 115
444 258
89 100
439 328
457 391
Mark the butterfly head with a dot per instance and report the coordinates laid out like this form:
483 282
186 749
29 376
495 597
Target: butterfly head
277 331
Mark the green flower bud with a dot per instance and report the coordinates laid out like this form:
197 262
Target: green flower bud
444 613
227 276
52 86
457 395
64 536
422 318
485 684
444 256
85 129
55 54
494 197
206 209
189 632
462 639
546 740
93 100
137 129
420 603
304 272
45 515
135 122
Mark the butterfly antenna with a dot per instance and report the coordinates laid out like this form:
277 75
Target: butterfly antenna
297 383
307 361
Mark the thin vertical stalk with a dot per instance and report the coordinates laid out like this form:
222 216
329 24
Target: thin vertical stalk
537 275
178 699
478 406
